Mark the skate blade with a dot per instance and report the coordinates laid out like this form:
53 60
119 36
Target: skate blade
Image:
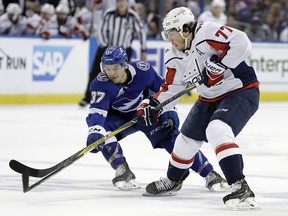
130 185
218 188
248 204
170 193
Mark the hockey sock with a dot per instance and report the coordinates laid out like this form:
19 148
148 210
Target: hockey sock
232 167
176 174
113 153
201 164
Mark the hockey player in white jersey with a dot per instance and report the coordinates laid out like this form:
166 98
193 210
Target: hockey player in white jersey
67 25
44 25
12 22
116 93
85 17
212 56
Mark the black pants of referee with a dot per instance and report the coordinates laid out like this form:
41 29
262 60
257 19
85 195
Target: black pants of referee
96 69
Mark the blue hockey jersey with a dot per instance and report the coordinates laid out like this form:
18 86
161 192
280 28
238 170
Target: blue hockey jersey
123 98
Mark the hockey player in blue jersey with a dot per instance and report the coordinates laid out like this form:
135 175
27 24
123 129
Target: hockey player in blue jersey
116 94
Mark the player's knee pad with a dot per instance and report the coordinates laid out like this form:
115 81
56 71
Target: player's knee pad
218 132
183 152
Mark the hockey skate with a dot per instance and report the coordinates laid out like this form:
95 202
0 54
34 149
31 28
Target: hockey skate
242 197
215 183
163 187
124 178
83 103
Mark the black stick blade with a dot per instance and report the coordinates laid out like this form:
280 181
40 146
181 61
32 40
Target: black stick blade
17 166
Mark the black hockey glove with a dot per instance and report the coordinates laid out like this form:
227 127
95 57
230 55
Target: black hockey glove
213 73
147 113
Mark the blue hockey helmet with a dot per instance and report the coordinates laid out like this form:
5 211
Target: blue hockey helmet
114 55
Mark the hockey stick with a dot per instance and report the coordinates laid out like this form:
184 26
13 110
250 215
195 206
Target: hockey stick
45 174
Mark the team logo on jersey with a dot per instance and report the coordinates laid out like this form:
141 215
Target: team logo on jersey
47 61
102 77
144 66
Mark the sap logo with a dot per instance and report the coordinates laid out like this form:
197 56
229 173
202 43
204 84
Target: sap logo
48 61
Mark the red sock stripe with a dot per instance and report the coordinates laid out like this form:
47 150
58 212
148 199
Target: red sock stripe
225 147
178 160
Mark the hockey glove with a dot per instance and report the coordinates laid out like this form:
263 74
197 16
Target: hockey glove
65 31
95 133
45 34
213 73
147 113
170 120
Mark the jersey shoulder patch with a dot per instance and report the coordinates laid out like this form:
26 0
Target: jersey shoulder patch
102 77
142 65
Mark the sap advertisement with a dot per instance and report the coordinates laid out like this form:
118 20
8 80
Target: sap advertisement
37 66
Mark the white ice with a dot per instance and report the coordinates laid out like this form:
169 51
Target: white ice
43 135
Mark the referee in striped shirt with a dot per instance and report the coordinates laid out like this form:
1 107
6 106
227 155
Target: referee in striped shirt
117 29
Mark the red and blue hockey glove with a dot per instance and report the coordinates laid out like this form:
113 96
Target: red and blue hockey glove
147 112
95 133
213 73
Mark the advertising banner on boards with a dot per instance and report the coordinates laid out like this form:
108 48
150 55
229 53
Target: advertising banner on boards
37 66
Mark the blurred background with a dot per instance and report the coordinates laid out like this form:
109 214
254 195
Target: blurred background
47 47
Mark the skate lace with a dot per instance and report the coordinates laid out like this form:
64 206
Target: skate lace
164 184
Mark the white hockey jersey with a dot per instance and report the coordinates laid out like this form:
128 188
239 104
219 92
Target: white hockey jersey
7 27
84 17
230 45
37 26
72 28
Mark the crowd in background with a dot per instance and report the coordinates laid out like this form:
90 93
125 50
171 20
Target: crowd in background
262 20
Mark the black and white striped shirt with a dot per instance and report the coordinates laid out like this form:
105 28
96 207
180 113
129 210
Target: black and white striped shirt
117 30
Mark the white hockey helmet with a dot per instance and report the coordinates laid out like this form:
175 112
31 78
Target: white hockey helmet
218 3
48 9
62 9
14 10
176 18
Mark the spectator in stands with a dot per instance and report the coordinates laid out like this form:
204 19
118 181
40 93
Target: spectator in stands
12 22
194 7
247 13
215 14
153 28
255 31
270 28
283 36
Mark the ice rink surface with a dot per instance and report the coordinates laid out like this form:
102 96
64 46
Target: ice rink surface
43 135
